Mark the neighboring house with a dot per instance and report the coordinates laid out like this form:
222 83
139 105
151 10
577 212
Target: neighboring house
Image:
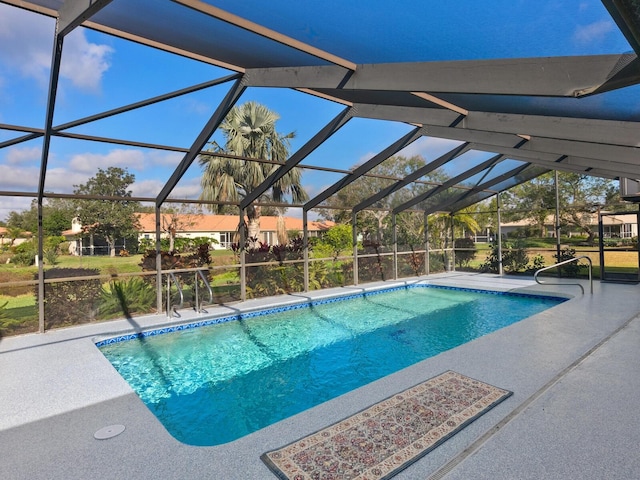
614 226
83 243
221 228
5 239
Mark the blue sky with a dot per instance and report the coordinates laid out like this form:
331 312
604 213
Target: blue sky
94 66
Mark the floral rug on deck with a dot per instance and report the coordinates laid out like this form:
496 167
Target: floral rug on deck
378 442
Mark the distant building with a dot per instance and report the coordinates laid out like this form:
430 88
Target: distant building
614 226
5 239
221 228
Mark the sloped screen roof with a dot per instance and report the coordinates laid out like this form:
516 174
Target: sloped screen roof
523 81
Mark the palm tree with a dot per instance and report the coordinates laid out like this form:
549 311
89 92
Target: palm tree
14 233
249 131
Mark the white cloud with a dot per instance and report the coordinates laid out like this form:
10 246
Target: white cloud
146 188
314 190
593 32
90 162
187 189
84 63
165 159
61 180
151 188
197 107
17 156
429 147
26 43
20 179
364 158
13 204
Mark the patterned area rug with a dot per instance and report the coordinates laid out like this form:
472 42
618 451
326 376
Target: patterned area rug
378 442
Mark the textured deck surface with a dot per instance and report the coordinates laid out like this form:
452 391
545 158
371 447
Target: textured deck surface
573 414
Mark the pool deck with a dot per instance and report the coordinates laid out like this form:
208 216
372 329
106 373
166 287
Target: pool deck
574 412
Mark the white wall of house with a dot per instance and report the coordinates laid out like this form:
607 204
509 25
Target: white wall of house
216 245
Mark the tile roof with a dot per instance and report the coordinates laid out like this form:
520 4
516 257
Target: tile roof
225 223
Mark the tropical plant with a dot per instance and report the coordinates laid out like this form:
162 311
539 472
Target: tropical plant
127 297
465 220
52 248
14 233
250 132
264 280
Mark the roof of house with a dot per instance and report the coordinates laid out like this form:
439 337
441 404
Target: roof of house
223 223
618 219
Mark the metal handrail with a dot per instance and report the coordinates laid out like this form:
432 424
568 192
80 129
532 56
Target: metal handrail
535 275
206 284
171 309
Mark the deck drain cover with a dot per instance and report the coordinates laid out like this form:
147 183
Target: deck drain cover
108 432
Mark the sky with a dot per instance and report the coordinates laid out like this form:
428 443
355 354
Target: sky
100 72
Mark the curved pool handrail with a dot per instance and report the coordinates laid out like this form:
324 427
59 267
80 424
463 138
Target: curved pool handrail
171 309
199 304
576 259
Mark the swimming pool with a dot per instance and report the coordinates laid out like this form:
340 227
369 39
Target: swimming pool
212 384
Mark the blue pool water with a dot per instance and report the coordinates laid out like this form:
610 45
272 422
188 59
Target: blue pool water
214 384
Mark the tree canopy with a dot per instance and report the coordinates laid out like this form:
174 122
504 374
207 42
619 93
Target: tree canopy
579 196
373 223
110 219
56 217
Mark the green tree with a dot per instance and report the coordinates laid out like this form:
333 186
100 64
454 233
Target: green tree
339 238
25 221
373 223
579 197
532 200
110 219
249 131
57 214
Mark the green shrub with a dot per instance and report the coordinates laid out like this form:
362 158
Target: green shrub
51 256
538 262
570 269
465 251
436 262
265 280
127 297
25 254
70 302
514 258
51 249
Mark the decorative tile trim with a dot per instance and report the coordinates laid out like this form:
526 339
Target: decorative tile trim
297 306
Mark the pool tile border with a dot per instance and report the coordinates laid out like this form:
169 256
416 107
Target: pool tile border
307 304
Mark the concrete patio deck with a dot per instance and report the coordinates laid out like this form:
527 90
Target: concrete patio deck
573 414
